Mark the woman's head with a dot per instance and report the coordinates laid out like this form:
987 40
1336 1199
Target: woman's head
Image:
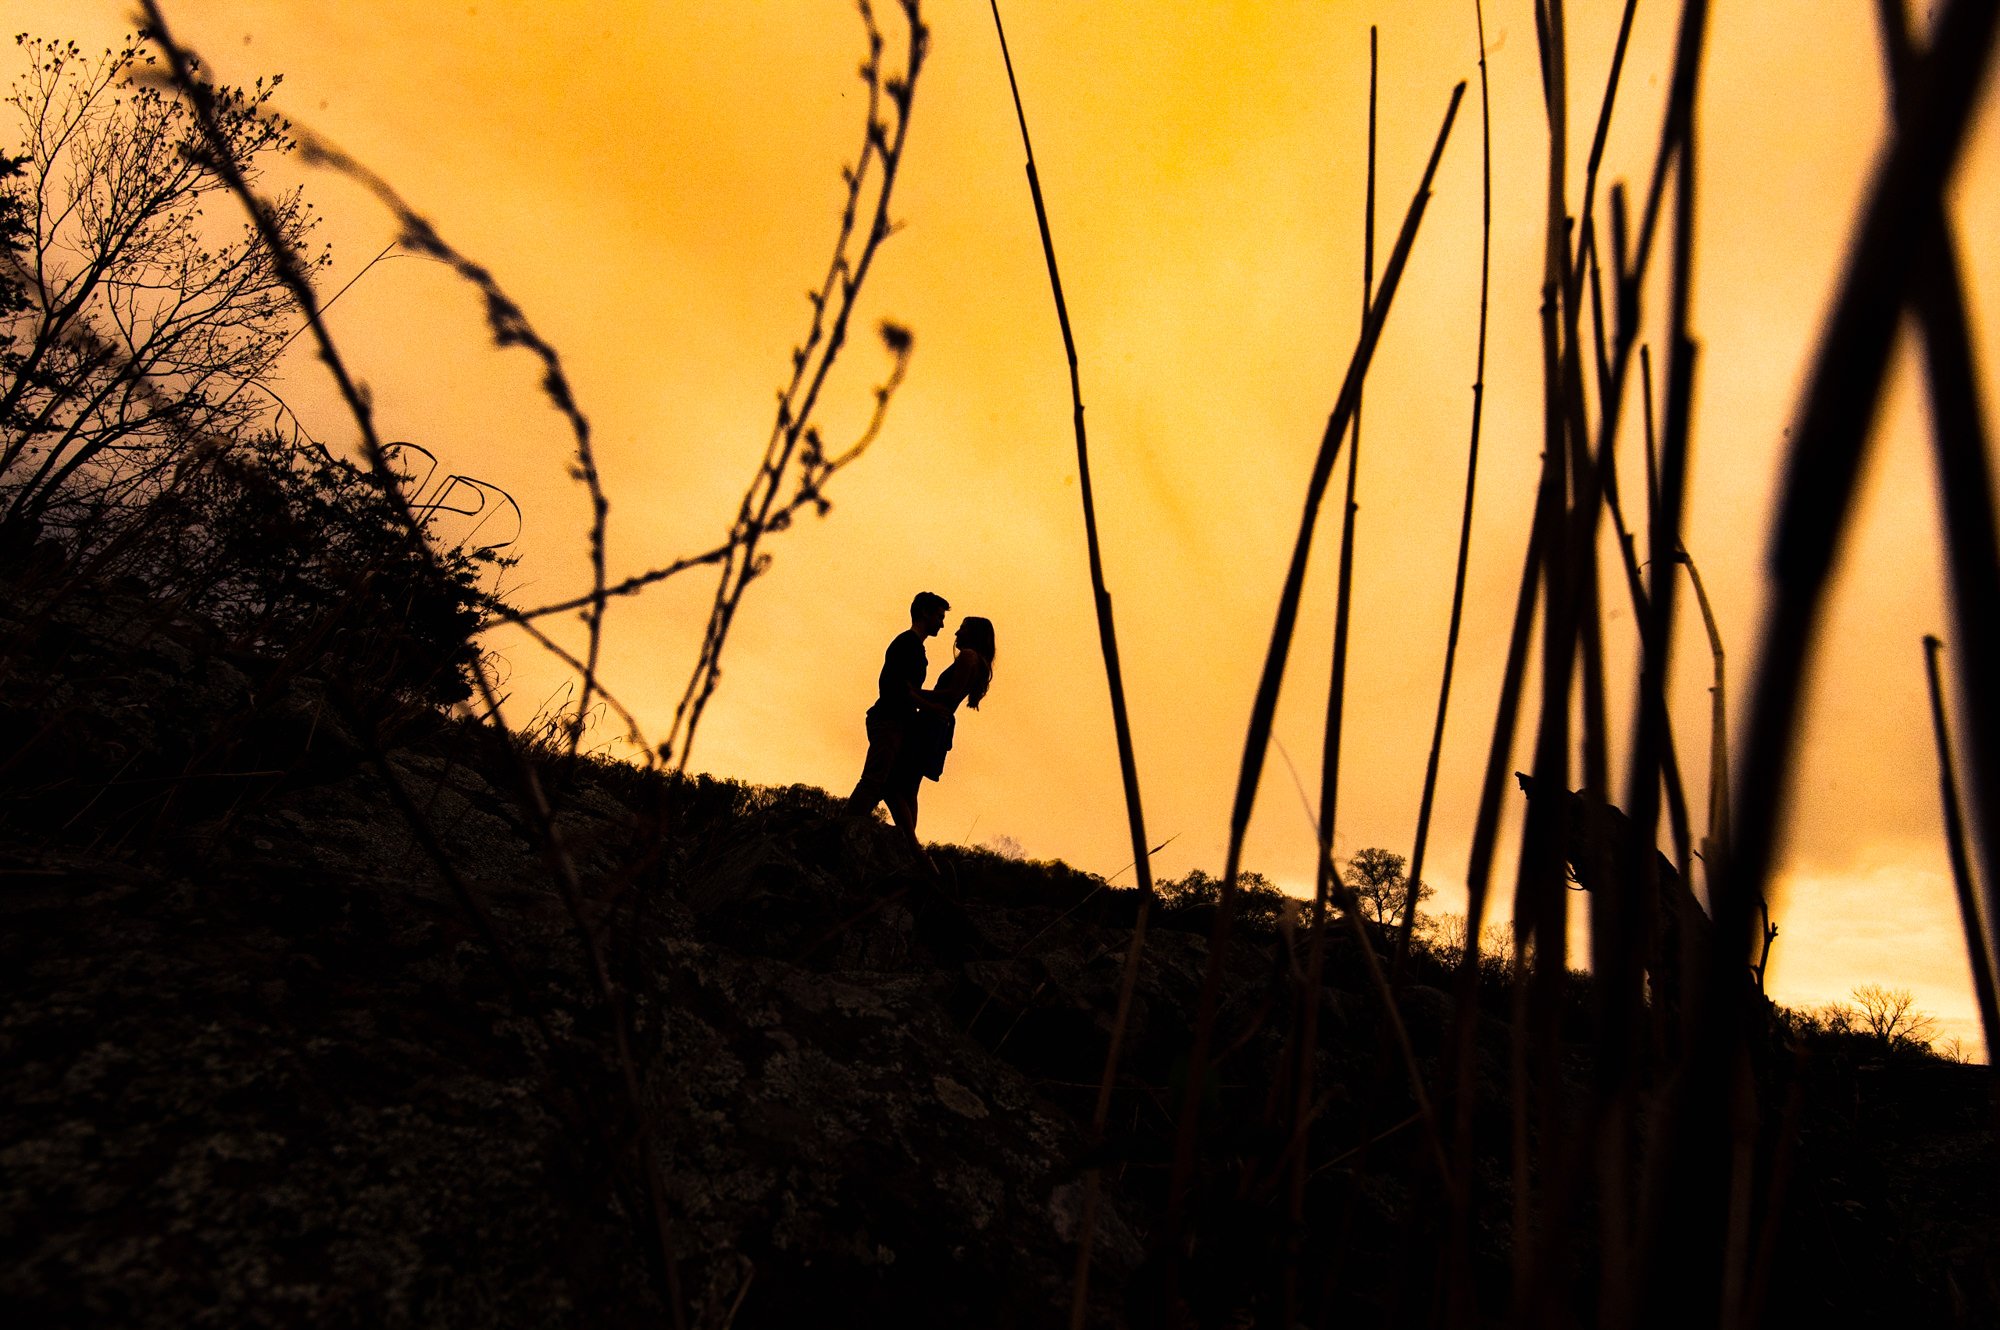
976 634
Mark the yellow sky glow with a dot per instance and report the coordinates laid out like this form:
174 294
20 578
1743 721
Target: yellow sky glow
656 185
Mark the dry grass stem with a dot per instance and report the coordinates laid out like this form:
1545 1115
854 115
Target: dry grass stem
1121 725
1265 705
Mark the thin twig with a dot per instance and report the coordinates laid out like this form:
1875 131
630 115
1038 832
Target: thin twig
1329 786
793 435
509 326
182 66
1715 846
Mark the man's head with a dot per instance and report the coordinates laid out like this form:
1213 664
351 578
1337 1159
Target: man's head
927 613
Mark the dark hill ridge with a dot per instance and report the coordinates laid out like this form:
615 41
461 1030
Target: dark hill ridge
263 1068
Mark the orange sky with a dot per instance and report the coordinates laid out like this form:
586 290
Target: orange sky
656 185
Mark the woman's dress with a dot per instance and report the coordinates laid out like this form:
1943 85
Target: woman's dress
931 731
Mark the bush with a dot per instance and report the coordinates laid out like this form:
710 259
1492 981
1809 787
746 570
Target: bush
137 341
291 550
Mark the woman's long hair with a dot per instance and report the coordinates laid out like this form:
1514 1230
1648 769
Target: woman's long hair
976 634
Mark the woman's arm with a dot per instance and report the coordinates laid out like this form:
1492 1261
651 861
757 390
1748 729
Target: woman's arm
957 681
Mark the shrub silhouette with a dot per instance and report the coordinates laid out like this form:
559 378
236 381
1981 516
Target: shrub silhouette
281 545
137 434
144 331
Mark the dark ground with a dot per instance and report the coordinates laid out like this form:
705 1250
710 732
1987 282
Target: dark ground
263 1068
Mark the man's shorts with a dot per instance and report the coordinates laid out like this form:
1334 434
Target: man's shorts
885 741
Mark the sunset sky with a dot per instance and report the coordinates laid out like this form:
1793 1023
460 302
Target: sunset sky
657 183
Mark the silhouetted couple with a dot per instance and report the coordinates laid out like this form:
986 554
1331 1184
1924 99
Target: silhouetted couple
910 727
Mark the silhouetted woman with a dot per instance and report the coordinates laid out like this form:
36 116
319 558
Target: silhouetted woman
922 756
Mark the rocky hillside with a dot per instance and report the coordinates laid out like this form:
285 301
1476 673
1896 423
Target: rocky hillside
300 1028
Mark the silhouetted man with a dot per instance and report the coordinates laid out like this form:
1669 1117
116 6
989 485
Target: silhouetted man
904 667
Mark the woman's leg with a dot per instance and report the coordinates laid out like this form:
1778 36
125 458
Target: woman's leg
903 812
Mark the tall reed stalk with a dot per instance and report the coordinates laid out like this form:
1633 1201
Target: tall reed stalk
1662 1161
1560 555
1128 769
1965 480
1961 864
1569 627
1420 843
1329 788
1821 479
1264 707
1669 758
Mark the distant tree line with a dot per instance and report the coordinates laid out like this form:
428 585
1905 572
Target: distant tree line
1879 1021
